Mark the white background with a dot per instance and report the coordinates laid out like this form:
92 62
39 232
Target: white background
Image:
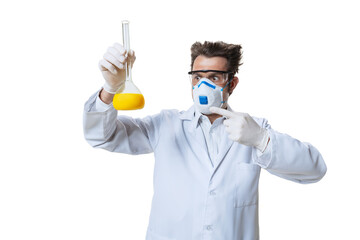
301 65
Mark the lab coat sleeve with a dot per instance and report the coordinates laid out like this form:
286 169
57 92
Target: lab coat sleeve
103 128
290 158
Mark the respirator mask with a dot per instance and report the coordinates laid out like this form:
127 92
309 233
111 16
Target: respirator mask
206 93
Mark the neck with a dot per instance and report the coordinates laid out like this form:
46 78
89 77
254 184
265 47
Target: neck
213 117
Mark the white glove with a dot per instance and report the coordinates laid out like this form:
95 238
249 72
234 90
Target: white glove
242 128
112 67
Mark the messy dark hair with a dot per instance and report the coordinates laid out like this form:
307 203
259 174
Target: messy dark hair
231 52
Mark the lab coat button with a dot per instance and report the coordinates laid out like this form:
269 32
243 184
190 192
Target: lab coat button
209 227
212 193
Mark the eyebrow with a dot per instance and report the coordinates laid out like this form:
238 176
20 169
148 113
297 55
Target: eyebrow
211 74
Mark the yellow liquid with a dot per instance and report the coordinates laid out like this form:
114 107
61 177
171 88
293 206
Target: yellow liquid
128 101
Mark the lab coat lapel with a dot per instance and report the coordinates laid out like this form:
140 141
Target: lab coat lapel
200 148
196 139
225 146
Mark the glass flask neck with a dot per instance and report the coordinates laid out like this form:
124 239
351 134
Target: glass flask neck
128 72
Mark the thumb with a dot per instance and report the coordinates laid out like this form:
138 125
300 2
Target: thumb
222 111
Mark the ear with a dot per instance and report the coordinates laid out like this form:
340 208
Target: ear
233 84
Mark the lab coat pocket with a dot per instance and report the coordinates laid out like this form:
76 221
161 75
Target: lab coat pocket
247 180
155 236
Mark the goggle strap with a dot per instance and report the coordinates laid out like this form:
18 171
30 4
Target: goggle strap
205 71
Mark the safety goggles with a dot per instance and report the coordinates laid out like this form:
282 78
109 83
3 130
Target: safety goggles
217 77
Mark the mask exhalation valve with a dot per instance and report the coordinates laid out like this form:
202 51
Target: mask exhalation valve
203 100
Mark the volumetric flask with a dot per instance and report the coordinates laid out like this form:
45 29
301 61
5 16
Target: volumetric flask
128 97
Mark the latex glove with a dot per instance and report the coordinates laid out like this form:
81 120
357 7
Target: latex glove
112 67
242 128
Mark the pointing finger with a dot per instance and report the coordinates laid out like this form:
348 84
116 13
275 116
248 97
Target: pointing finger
222 111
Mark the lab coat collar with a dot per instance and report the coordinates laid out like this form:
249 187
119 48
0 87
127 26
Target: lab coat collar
188 114
192 115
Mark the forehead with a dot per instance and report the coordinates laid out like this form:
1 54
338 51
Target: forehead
210 63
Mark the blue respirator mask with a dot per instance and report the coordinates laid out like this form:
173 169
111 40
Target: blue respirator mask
206 94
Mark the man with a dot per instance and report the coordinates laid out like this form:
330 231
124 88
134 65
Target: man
208 158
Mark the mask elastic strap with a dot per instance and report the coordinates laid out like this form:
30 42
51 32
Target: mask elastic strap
226 85
222 101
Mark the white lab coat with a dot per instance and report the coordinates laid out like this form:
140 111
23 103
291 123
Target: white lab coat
192 199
